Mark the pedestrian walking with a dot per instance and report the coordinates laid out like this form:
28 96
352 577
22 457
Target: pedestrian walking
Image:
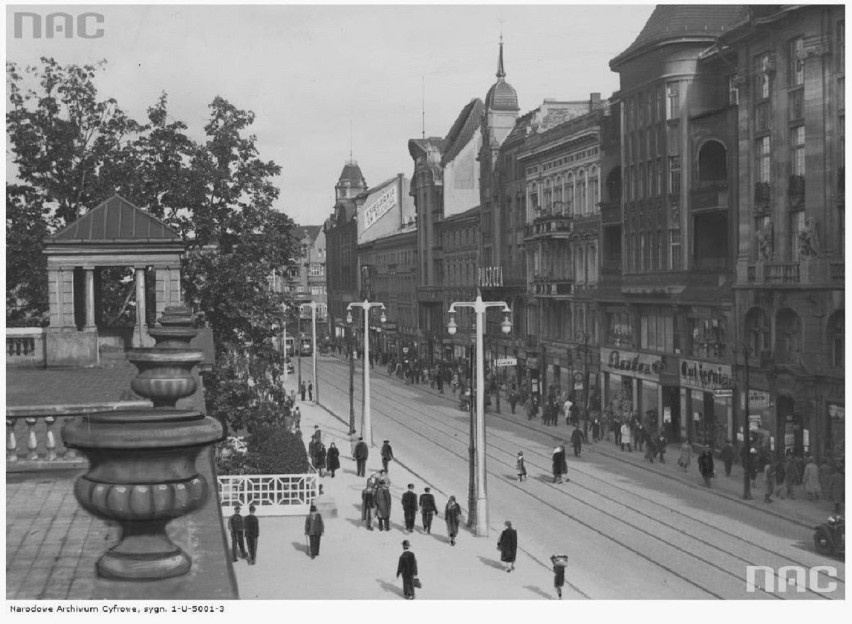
383 504
596 429
407 568
685 456
236 527
705 466
560 463
727 456
368 502
314 529
318 457
332 459
650 446
387 454
303 389
521 467
409 508
810 479
662 446
508 546
626 439
513 399
252 529
577 441
452 516
297 418
559 563
529 407
780 478
317 435
362 451
639 436
427 509
310 391
791 474
769 481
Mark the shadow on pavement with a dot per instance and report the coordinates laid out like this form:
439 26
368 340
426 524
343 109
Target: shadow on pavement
390 588
539 592
302 547
491 562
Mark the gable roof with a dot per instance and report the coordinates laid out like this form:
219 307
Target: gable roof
464 127
681 23
116 219
307 231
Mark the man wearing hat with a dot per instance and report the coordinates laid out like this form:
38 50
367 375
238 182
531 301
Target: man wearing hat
428 509
409 508
387 454
362 451
407 567
314 529
237 529
252 530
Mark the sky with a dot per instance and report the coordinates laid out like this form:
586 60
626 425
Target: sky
326 79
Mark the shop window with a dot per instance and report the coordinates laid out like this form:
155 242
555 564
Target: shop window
619 329
787 336
758 330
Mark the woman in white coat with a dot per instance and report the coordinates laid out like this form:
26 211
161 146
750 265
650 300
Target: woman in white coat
626 437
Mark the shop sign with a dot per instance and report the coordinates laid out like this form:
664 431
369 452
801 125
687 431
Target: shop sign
758 399
723 393
704 375
630 363
508 361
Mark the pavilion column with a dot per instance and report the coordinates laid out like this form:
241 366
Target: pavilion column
141 328
167 288
90 297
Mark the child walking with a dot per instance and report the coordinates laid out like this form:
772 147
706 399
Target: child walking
522 469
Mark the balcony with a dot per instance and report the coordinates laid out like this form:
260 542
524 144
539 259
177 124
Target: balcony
808 272
549 285
25 346
709 195
549 224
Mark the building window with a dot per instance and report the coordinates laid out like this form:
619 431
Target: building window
733 91
764 161
758 331
674 250
619 329
796 52
797 163
673 100
836 336
674 175
656 330
762 76
787 335
797 226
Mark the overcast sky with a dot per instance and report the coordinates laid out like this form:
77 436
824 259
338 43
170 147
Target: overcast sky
307 71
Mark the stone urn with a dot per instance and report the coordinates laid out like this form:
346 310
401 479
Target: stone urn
142 466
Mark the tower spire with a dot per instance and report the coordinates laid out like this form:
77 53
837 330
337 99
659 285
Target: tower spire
501 73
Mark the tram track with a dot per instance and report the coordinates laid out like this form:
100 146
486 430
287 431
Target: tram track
394 403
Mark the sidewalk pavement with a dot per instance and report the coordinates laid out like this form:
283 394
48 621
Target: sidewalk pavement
355 563
799 509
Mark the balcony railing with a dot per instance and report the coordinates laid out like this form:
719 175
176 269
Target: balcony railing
548 223
552 287
25 346
811 271
710 194
273 495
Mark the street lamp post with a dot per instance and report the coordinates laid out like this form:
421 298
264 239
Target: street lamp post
746 428
313 306
284 343
366 305
479 307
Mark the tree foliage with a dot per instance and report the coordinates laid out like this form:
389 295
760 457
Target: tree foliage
73 149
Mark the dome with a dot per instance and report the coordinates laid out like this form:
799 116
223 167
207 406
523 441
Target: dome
502 97
351 175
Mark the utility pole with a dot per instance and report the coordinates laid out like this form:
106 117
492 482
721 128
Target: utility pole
471 487
351 382
746 434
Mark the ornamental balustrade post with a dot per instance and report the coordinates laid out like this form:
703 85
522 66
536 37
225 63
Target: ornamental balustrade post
32 441
11 441
50 442
142 462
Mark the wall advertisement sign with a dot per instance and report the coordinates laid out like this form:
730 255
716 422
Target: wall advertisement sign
632 364
386 200
705 375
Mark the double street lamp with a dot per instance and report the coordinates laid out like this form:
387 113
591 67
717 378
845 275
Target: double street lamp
313 306
479 306
366 305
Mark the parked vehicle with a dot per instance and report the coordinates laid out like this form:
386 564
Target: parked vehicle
830 537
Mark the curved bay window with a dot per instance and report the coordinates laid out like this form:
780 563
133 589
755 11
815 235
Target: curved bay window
788 332
758 331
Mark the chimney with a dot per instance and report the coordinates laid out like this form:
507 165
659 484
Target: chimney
595 102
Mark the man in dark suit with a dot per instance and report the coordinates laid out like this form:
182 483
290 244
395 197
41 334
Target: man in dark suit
252 530
428 509
409 508
387 454
237 530
408 569
362 451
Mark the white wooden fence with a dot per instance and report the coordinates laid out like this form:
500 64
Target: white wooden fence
273 495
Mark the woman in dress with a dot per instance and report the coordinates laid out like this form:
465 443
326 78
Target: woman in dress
452 515
332 459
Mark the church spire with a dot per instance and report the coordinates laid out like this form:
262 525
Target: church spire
501 73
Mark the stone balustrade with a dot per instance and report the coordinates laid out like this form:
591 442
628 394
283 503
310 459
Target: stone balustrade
32 435
25 346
